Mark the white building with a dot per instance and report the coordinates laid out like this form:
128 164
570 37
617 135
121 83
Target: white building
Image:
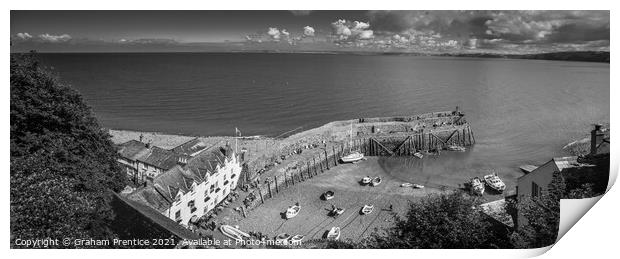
194 186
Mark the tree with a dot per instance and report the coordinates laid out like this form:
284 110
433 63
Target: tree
446 220
63 164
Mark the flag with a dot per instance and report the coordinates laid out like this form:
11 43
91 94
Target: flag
237 132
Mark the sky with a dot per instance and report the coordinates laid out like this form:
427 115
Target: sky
431 31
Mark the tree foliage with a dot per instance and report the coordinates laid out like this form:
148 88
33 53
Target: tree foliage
446 220
63 163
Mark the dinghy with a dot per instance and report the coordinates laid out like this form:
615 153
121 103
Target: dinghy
296 239
335 212
292 211
366 180
417 186
367 209
352 158
333 234
455 148
376 181
328 195
476 186
493 181
406 185
233 232
282 239
418 155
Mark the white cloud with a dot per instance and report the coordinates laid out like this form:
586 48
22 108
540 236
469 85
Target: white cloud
308 31
346 30
55 38
366 34
24 36
274 33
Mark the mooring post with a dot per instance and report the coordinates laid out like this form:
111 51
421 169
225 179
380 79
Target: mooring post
260 193
269 188
301 176
243 212
276 180
314 163
285 180
326 159
335 160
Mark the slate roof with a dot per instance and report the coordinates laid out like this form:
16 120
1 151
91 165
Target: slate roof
190 148
161 158
133 149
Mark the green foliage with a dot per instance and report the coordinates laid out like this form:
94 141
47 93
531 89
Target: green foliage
446 220
63 163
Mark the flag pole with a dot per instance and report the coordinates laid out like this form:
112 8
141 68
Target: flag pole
236 130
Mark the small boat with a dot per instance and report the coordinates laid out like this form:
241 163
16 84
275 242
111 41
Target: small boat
328 195
366 180
292 211
493 181
456 148
353 157
367 209
418 155
476 186
406 185
233 232
417 186
336 211
282 239
376 181
296 239
334 233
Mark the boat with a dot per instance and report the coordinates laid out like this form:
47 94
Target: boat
493 181
328 195
406 185
418 155
476 185
367 209
233 232
336 211
376 181
353 157
456 148
292 211
296 239
282 239
366 180
417 186
334 233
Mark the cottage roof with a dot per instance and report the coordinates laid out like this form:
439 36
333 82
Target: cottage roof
133 149
161 158
190 148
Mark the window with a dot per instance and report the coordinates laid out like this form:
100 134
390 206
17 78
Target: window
211 188
177 215
535 190
207 198
190 203
233 176
225 182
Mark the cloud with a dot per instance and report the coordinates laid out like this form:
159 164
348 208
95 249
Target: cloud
301 12
24 35
351 31
308 31
274 33
54 38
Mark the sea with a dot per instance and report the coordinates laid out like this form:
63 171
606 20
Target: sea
522 111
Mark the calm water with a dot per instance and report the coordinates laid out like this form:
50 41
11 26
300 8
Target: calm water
522 111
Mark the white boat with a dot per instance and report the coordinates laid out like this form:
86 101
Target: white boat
282 239
456 148
292 211
328 195
417 186
406 185
366 180
233 232
418 155
493 181
336 211
353 157
376 181
334 233
476 185
296 239
367 209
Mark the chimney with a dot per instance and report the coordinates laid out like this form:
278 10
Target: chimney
141 137
182 160
596 138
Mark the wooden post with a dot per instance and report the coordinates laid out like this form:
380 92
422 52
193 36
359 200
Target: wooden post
308 165
285 180
301 176
277 189
335 159
269 188
326 159
260 193
243 212
314 163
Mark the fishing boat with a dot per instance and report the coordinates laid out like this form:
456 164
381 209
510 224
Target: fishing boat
282 239
296 239
353 157
417 186
334 233
292 211
476 185
493 181
335 212
418 155
366 180
328 195
376 181
367 209
233 232
406 185
456 148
